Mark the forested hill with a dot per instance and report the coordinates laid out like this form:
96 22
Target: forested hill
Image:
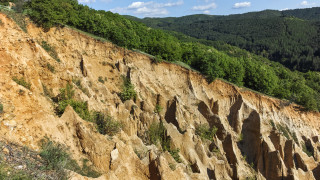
290 37
227 62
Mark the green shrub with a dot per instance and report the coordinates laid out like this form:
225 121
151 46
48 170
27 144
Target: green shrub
205 132
128 91
50 67
54 155
81 108
1 108
240 137
50 50
158 109
172 166
66 98
100 79
158 133
106 124
22 82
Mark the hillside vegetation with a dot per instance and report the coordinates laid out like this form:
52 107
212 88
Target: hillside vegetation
289 37
234 65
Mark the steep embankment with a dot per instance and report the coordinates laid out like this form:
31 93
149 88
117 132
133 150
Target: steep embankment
251 127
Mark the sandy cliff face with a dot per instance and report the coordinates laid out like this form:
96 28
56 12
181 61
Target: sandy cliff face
250 141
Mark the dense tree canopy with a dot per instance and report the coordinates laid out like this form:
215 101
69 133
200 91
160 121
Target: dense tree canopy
290 37
224 61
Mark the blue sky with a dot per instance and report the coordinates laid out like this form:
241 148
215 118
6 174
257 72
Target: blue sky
177 8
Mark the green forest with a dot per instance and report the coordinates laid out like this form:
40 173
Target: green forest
290 37
213 59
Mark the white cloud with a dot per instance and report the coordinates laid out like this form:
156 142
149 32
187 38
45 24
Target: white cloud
106 1
150 8
241 5
284 9
87 1
306 3
204 7
206 12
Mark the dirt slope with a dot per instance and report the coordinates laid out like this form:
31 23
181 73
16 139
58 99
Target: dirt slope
250 141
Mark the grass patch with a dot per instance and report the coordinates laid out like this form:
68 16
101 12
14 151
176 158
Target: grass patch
1 108
106 124
100 79
287 133
66 98
306 150
18 18
157 133
158 109
51 68
22 82
77 82
205 132
50 50
57 158
284 131
128 91
172 166
10 173
47 92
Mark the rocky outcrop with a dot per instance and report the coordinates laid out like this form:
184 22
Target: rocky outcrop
257 136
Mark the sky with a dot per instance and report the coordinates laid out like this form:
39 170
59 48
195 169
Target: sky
177 8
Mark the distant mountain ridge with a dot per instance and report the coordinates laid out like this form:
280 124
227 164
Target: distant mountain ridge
290 37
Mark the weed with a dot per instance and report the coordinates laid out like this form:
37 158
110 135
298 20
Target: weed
205 132
240 137
55 156
306 150
272 124
51 68
158 109
104 63
128 91
283 130
51 51
1 108
47 92
175 154
100 79
77 82
22 82
158 133
172 166
295 138
251 165
106 124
